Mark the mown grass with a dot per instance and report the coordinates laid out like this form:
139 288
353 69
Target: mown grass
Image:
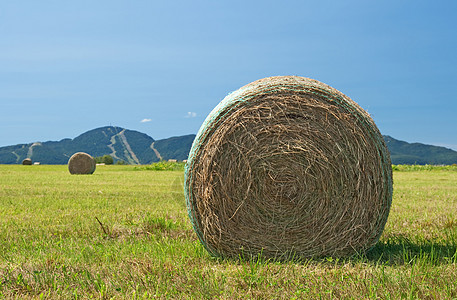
408 168
123 232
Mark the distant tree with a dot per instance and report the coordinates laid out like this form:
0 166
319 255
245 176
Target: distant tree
121 162
105 159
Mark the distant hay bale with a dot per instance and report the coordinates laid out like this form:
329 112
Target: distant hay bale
27 162
81 163
288 166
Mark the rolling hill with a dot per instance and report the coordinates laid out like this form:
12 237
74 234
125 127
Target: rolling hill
416 153
130 146
135 147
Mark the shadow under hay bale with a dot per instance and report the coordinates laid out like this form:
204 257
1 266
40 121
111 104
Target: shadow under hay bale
288 166
27 162
81 163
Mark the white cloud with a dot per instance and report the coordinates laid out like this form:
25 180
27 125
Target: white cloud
191 114
146 120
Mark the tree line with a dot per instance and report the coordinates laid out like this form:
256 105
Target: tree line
108 160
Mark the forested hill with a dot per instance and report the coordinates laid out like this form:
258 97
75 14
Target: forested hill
135 147
417 153
130 146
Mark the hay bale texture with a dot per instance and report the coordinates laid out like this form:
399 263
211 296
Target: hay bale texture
27 162
81 163
288 166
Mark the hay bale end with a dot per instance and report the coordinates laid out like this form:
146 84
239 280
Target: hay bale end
27 162
81 163
288 167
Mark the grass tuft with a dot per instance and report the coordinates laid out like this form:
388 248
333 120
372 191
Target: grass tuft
163 166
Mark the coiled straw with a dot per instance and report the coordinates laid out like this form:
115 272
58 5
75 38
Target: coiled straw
288 167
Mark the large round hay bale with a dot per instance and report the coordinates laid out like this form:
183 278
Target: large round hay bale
81 163
27 162
288 167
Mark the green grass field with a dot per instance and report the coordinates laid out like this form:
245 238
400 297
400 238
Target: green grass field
123 232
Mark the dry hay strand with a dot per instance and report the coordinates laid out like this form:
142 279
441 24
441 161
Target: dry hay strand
81 163
27 162
288 167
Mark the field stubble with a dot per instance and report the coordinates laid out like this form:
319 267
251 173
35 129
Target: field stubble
124 232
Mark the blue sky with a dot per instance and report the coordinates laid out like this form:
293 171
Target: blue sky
161 67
